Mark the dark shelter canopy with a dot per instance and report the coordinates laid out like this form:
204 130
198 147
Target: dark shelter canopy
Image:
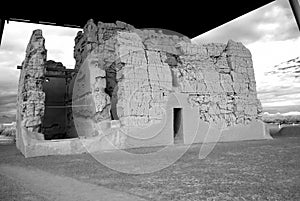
185 17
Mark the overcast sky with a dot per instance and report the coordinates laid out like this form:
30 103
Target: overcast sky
270 33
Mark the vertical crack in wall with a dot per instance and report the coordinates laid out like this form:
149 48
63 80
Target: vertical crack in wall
151 91
111 89
174 63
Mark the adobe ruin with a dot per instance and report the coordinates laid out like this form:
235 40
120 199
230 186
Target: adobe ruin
134 88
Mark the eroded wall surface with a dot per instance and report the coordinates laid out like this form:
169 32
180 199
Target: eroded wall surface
128 72
142 67
31 98
219 79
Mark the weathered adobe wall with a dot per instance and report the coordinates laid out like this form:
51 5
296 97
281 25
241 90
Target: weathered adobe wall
127 71
144 81
31 98
35 94
142 67
220 81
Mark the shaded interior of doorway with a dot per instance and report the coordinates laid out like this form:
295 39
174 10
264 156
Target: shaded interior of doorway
177 125
54 120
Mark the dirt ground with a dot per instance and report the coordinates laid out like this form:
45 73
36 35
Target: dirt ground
250 170
41 185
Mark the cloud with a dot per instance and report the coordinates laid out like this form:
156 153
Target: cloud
7 87
8 96
279 89
267 54
281 94
12 46
289 69
281 109
63 32
7 99
8 104
9 74
273 22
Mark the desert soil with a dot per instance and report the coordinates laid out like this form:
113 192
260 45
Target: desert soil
249 170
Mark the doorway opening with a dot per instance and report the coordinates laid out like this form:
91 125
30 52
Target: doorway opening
177 125
56 120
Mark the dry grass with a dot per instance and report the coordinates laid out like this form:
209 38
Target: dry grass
10 132
252 170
